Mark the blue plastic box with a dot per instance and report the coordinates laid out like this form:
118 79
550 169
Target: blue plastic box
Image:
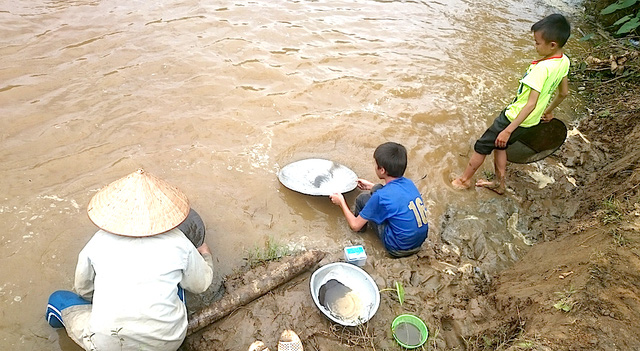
355 255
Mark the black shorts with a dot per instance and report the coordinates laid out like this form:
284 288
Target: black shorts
487 142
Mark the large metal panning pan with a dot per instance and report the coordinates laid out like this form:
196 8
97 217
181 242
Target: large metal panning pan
315 176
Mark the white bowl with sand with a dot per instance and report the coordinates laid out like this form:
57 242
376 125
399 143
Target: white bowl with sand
344 293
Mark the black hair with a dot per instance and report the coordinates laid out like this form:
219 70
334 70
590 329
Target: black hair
553 28
392 157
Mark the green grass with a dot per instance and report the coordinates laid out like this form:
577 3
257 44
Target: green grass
272 250
604 114
618 238
507 336
488 175
612 211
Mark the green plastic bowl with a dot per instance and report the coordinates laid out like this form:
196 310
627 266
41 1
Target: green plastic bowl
414 321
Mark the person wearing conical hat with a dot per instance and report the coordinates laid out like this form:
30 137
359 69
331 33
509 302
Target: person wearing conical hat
130 276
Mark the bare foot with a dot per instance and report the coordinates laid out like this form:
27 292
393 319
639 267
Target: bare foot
496 187
460 185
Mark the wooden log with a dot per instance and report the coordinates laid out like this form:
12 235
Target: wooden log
288 268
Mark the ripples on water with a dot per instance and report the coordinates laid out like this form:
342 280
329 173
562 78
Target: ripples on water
215 98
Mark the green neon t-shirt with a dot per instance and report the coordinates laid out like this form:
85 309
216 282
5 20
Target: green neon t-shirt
543 76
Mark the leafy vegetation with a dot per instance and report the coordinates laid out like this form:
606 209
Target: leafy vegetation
566 302
400 292
628 23
399 289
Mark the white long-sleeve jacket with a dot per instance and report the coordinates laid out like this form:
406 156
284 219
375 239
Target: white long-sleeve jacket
133 283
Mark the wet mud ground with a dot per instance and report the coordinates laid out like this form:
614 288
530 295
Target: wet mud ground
576 287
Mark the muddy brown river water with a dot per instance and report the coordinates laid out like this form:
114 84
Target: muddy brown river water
216 97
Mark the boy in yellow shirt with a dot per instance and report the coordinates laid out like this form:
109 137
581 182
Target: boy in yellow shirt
531 105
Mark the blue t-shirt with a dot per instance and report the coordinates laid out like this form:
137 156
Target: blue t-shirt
399 205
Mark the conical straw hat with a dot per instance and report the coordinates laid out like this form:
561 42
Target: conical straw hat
138 205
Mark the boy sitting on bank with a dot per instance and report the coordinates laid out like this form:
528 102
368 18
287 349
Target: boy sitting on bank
531 104
395 210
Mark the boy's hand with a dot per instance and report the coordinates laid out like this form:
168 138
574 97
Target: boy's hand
547 117
364 184
336 198
502 139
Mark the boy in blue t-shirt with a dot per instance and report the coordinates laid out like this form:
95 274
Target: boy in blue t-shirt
395 210
531 105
